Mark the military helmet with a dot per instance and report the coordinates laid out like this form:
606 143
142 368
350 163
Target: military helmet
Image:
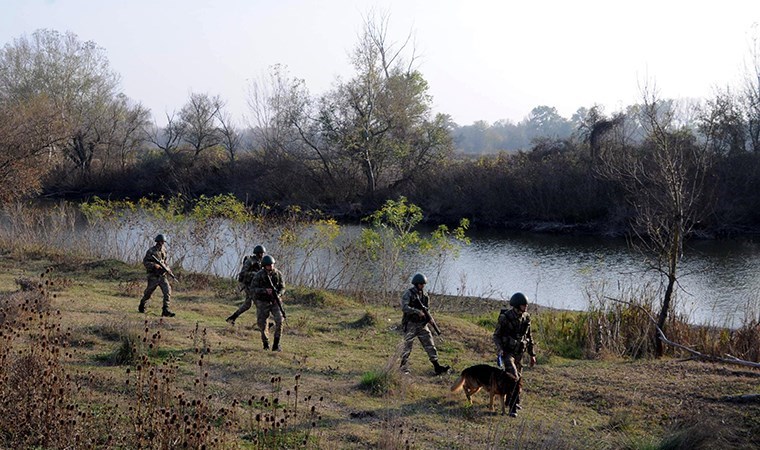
419 279
517 299
259 249
267 260
160 238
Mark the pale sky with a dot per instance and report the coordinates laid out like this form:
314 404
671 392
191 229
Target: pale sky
483 59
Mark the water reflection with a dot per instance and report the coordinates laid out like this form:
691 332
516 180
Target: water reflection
718 277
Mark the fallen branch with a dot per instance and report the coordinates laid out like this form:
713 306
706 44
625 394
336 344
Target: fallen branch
729 360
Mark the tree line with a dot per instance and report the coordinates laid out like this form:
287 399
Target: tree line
67 130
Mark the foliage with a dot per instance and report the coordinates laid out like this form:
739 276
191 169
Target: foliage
100 124
390 243
564 334
379 383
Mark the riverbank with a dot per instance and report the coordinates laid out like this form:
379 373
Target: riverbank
343 350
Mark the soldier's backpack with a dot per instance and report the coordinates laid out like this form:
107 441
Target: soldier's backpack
250 267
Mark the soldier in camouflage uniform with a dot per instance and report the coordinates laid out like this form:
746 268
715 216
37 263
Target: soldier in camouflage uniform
157 276
266 286
513 338
415 325
251 265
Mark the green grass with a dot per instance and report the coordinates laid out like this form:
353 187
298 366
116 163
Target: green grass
345 351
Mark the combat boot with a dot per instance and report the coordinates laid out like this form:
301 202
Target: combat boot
231 319
439 369
517 406
276 345
265 342
167 313
141 308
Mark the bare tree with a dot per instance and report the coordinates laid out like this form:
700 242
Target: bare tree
665 182
285 124
167 139
199 122
74 75
30 131
751 94
230 135
380 120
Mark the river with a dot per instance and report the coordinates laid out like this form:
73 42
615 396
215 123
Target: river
719 280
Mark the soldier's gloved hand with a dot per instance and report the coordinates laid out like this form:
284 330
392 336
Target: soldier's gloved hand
421 315
157 266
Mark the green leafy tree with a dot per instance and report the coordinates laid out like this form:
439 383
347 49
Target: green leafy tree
391 242
380 121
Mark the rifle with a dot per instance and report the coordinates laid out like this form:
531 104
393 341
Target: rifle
167 270
277 298
430 319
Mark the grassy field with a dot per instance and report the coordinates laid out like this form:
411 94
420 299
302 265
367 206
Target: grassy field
335 384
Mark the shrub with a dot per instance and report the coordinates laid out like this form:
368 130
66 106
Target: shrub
379 383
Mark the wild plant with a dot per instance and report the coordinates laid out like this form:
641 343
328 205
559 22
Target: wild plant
23 224
39 405
392 248
289 422
395 435
163 416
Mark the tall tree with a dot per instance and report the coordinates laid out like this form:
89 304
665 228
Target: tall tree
121 133
199 119
75 76
230 135
666 183
30 132
381 120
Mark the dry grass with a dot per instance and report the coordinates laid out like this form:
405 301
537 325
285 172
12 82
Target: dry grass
196 380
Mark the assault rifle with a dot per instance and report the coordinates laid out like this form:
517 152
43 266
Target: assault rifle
276 295
167 270
430 319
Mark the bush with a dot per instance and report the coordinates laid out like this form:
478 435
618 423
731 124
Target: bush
380 383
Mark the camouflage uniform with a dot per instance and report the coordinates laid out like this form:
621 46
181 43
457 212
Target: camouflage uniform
251 265
512 337
266 304
156 278
415 326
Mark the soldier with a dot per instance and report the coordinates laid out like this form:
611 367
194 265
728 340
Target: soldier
251 265
155 263
512 338
415 324
267 287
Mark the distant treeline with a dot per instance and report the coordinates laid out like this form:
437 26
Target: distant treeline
554 186
67 131
543 122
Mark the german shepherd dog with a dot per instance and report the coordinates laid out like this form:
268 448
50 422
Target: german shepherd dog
494 380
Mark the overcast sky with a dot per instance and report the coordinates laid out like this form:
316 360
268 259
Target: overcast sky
483 59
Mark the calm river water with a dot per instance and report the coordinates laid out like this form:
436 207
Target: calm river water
719 282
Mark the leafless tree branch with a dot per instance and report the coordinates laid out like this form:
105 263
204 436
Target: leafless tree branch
728 360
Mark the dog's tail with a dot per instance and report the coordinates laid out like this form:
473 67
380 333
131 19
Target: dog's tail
458 385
